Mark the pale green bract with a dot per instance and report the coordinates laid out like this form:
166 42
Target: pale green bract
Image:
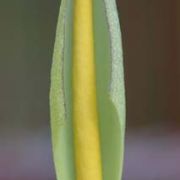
117 90
110 90
57 102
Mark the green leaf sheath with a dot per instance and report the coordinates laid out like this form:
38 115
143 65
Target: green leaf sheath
110 86
117 88
60 109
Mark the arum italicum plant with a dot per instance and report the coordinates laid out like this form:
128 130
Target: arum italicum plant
87 98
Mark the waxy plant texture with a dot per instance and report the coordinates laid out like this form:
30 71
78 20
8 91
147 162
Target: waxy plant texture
87 98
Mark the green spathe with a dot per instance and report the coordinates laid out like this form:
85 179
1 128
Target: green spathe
110 90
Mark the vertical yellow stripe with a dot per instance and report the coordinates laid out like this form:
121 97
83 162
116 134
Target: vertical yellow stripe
85 118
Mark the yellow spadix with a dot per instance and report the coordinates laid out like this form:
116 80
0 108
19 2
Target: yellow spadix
85 116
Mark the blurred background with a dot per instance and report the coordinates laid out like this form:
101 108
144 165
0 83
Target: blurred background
151 37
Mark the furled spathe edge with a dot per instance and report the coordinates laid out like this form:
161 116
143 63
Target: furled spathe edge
117 89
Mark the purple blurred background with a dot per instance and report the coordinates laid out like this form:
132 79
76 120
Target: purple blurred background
151 37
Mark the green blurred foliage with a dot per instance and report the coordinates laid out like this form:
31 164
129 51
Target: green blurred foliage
27 37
